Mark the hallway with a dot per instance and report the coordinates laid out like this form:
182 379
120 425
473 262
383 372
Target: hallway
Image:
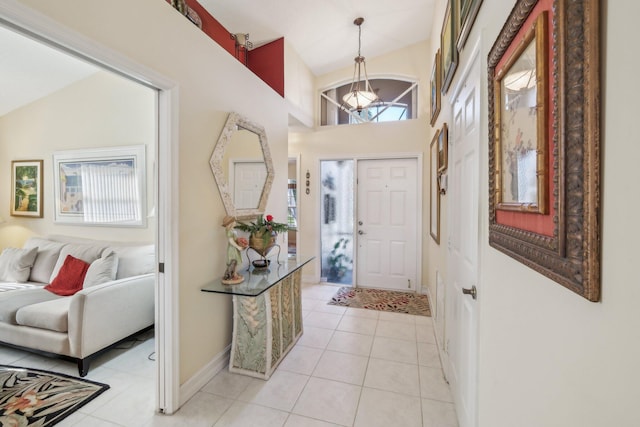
351 367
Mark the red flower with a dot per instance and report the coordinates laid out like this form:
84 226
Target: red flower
269 218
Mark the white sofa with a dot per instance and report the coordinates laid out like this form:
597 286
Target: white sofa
115 302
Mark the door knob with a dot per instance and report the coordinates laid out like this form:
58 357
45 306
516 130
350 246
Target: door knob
473 291
361 232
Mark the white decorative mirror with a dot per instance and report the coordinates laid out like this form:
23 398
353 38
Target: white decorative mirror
242 167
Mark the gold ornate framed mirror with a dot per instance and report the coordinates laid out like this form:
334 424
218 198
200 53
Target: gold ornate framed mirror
242 167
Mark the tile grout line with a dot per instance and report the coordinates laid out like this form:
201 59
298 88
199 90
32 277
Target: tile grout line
419 378
312 371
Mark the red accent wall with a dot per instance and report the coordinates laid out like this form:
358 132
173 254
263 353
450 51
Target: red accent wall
267 62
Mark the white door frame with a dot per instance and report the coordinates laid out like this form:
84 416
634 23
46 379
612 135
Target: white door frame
381 156
473 61
297 158
40 27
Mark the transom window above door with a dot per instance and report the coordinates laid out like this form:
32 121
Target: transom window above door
397 100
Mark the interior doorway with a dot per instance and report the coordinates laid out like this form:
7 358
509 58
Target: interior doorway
164 158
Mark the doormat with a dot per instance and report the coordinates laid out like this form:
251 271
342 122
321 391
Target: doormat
31 397
381 300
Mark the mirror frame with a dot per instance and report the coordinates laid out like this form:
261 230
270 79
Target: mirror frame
234 121
572 256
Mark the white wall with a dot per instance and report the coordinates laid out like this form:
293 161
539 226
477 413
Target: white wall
211 83
548 357
102 110
299 85
435 254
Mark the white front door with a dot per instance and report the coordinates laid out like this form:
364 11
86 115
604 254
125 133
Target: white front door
387 235
248 183
461 308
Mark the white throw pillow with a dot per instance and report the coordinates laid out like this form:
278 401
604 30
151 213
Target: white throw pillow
102 270
48 253
135 260
86 253
15 264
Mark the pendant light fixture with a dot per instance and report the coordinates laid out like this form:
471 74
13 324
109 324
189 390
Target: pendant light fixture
360 94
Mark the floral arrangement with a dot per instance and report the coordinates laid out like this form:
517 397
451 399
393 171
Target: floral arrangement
263 227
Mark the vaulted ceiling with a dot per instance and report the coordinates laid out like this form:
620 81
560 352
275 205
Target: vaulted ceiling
30 70
322 31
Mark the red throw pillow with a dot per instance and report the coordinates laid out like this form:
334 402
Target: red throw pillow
70 277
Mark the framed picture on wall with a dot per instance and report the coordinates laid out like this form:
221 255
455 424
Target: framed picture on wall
443 148
521 140
26 191
434 190
436 83
557 154
448 48
101 186
468 10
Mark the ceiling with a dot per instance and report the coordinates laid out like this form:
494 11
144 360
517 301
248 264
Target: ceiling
322 31
30 70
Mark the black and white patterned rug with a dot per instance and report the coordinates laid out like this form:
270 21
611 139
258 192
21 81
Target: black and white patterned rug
35 398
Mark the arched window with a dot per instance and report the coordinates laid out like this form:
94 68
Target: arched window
397 101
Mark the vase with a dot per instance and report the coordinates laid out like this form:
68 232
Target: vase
257 243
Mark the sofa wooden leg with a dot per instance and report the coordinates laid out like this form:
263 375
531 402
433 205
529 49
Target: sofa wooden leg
83 367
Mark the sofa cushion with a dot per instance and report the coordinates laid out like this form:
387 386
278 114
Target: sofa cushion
87 253
52 315
12 301
70 278
102 270
135 260
48 252
15 264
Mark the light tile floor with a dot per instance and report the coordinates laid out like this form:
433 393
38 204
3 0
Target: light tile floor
351 367
128 371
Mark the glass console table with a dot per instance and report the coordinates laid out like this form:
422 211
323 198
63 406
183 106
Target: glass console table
267 316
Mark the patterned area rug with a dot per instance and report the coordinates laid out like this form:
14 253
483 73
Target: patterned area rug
377 299
30 397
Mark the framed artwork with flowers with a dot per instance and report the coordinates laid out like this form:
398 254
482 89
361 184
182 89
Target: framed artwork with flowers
544 141
520 120
26 194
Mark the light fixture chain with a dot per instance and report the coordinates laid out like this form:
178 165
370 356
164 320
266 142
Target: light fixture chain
359 39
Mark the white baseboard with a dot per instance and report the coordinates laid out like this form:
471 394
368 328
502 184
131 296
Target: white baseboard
204 375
